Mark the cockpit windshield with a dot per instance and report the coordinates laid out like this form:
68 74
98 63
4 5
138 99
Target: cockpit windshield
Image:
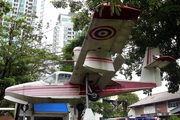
50 79
63 77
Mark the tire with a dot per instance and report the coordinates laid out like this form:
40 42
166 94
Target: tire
80 107
94 96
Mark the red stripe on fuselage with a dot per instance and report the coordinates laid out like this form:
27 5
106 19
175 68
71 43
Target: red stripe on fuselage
98 59
46 90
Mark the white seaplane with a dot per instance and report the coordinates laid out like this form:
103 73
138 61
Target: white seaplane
94 68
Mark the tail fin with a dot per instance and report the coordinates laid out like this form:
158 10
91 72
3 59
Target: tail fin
152 64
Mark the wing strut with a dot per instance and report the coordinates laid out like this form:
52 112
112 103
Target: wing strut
88 113
87 99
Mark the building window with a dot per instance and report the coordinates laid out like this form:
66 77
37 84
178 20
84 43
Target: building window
173 103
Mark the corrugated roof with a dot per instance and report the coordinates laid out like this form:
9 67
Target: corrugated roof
159 97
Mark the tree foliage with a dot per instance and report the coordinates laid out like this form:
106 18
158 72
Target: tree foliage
22 56
5 8
174 117
67 52
117 108
81 21
127 99
103 108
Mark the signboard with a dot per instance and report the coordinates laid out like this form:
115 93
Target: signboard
51 107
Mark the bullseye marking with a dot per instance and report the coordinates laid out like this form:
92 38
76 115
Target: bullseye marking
102 33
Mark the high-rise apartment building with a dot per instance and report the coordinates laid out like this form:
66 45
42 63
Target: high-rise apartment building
63 31
27 6
41 10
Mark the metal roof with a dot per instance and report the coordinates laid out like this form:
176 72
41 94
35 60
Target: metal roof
175 110
155 98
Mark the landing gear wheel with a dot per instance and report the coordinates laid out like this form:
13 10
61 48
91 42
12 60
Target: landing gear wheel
80 107
93 96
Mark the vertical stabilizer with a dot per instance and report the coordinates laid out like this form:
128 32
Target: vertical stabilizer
152 64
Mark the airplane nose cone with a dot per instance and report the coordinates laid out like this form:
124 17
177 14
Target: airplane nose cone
14 94
18 93
20 87
13 89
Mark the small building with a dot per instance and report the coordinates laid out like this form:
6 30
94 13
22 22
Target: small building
46 111
50 111
160 105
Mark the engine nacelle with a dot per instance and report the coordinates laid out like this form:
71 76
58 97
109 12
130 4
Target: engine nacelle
76 52
99 61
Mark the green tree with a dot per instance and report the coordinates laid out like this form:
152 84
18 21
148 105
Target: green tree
67 52
116 108
127 99
174 117
5 8
103 108
22 56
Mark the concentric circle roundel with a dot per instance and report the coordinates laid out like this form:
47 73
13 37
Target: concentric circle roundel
102 33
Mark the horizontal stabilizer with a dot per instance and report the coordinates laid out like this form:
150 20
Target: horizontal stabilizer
161 62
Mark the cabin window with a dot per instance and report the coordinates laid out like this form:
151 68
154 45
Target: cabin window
63 77
50 79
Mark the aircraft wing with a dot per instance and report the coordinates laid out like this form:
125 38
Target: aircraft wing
106 35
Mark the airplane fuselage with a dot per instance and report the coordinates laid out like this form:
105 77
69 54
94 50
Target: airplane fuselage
43 92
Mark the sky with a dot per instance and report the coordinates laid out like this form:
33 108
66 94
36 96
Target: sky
51 15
